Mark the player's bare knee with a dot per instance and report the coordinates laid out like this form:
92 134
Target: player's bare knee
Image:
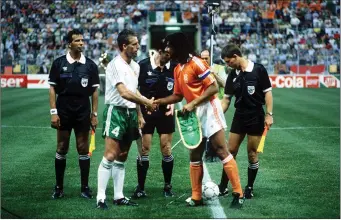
252 156
166 149
145 150
83 148
110 155
62 148
122 157
222 152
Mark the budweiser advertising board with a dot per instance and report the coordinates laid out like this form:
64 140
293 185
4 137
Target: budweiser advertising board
13 81
37 81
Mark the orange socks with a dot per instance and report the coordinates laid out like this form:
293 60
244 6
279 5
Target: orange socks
196 173
231 169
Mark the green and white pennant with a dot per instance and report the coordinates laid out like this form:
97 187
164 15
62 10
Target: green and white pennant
189 128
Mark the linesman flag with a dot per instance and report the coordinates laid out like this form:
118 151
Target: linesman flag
262 141
92 146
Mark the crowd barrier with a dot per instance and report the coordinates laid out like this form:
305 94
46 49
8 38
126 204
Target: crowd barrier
40 81
305 81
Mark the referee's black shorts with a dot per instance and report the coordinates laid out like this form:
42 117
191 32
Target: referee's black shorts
74 114
251 123
163 124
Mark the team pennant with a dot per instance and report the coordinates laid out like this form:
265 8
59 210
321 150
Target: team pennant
189 128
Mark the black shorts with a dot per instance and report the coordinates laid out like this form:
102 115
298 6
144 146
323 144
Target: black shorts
74 114
248 123
163 124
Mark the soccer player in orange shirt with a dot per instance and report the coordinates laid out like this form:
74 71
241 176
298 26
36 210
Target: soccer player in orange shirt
193 81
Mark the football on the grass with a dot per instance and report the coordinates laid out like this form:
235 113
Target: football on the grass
210 191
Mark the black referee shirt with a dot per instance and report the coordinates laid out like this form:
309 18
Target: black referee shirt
156 83
249 87
70 78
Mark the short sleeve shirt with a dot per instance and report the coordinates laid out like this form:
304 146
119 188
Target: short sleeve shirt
249 87
74 78
192 79
156 83
119 71
220 70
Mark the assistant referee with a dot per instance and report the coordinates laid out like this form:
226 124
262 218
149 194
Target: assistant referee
250 84
73 77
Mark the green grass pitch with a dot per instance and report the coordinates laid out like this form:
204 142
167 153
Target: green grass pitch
299 174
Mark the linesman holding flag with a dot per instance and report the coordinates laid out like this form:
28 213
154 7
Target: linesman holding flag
73 79
250 84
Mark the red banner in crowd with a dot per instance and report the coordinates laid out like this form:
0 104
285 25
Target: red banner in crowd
316 69
13 81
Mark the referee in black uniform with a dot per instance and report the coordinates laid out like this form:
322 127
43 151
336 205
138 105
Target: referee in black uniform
73 77
156 80
249 83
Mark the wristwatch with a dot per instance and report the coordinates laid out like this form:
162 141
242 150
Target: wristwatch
269 113
94 114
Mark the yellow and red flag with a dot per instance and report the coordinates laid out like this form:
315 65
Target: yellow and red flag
262 141
92 146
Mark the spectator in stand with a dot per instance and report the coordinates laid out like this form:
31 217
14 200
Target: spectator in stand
36 25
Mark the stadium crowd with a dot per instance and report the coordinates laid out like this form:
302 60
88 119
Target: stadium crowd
273 32
279 32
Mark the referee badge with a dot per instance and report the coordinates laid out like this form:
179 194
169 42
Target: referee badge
170 86
251 89
84 82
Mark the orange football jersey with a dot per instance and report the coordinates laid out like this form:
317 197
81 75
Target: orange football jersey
192 78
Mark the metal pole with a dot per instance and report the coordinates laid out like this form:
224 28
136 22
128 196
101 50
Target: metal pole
212 11
298 51
212 37
26 68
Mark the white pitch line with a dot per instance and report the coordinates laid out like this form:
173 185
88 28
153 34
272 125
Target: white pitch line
176 199
215 206
23 126
29 126
176 144
303 128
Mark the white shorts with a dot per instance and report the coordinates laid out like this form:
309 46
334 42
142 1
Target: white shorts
211 117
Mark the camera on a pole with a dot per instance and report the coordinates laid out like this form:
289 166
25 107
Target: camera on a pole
213 8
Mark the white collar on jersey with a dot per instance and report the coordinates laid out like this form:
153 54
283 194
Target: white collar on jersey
152 59
249 67
71 60
190 56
